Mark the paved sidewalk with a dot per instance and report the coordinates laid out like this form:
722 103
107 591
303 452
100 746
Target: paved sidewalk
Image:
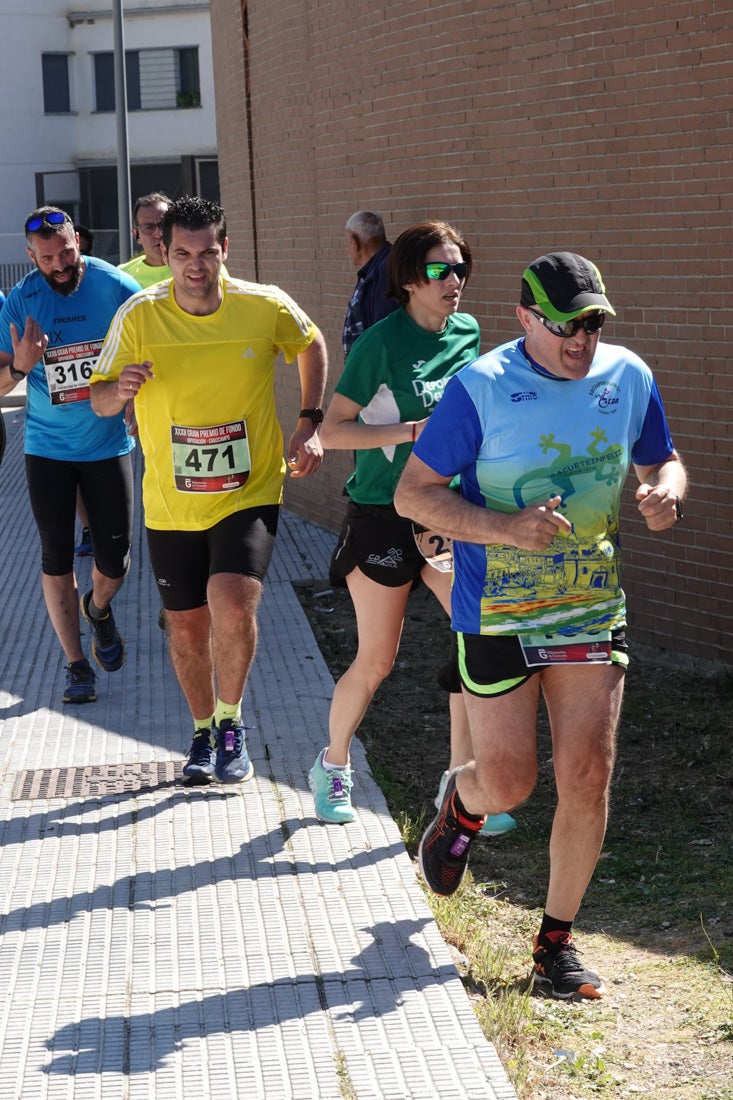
161 942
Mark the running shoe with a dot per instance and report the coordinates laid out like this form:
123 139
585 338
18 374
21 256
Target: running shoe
558 966
108 647
496 824
443 851
331 788
233 764
84 549
80 680
199 768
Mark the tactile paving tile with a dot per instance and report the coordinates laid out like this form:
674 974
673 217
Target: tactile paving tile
160 941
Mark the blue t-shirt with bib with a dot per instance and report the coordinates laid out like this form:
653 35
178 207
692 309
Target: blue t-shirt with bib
59 420
517 436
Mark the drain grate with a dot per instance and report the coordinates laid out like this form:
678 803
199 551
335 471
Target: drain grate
94 781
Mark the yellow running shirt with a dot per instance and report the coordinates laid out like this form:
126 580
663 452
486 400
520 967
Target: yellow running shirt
207 420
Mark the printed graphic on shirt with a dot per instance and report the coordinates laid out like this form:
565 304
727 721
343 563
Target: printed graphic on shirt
68 370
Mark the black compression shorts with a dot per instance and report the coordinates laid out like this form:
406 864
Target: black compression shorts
183 561
106 489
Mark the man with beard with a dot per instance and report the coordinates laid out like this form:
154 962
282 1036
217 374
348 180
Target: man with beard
51 330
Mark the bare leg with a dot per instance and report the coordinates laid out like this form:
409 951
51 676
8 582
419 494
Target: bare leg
380 613
584 707
233 602
460 734
212 647
189 644
62 602
503 735
104 588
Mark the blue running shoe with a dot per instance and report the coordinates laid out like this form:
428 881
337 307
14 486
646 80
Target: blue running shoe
331 788
199 768
233 764
80 681
84 549
495 825
108 647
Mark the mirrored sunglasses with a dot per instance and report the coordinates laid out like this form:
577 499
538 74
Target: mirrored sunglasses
52 218
442 271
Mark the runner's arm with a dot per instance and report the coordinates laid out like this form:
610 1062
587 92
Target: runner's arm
661 487
426 497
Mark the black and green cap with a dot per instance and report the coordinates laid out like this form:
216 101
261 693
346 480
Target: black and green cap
564 285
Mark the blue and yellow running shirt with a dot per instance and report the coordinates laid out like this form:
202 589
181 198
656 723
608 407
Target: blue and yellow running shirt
397 371
59 420
207 419
517 436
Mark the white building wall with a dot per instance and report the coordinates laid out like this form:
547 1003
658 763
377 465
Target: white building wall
32 141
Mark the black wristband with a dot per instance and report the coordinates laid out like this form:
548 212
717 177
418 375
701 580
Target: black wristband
16 375
678 509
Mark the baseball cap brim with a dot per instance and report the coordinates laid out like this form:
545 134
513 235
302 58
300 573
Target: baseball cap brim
564 285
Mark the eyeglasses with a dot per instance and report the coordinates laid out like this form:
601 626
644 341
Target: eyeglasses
589 322
51 218
149 227
442 271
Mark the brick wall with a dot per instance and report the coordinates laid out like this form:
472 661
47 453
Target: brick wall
603 128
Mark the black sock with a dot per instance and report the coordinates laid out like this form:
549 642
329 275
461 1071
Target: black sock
463 812
551 930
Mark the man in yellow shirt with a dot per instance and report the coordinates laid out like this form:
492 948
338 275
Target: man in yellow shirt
197 354
149 267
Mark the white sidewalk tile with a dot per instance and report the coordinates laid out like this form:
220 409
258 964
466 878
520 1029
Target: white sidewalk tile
157 941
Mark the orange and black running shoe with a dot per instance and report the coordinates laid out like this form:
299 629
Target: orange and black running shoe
558 966
443 851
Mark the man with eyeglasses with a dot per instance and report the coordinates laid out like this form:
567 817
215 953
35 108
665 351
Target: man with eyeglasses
541 431
51 331
149 267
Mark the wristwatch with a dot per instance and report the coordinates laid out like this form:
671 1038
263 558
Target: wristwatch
678 509
316 415
16 375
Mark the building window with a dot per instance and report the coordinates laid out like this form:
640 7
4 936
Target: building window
56 92
157 79
104 80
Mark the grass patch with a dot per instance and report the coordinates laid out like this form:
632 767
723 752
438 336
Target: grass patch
657 919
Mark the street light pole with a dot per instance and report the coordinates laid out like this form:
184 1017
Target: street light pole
123 159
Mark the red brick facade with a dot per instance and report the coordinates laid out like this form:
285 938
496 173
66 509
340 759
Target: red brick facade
602 128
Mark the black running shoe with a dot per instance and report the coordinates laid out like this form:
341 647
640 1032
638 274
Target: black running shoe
108 648
558 966
199 768
443 851
80 680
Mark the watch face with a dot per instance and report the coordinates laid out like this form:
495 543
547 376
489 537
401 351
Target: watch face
317 416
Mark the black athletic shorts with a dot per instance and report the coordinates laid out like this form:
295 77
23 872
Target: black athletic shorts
381 543
106 489
183 561
493 664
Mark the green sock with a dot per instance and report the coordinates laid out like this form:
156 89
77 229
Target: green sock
232 711
202 724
